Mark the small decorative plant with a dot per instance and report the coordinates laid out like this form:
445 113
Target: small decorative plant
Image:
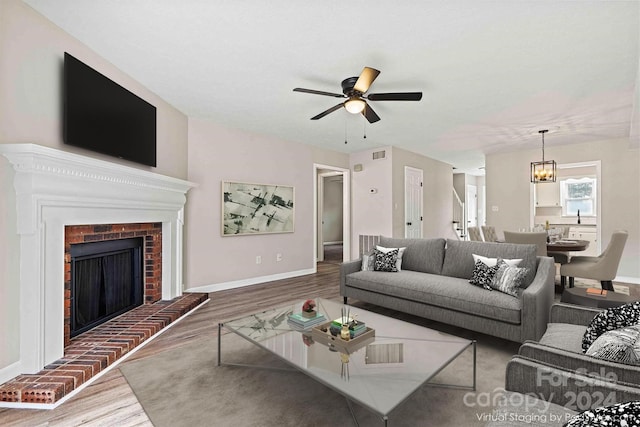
308 308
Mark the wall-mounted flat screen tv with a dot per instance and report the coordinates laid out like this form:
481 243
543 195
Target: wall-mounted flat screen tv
102 116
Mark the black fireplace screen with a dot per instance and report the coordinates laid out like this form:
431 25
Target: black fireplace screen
106 281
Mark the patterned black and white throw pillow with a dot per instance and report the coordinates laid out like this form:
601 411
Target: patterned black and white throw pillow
620 414
610 319
386 261
483 274
618 345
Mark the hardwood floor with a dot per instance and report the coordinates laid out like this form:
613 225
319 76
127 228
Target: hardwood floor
109 401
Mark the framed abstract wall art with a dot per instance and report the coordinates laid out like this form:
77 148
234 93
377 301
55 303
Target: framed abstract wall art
256 208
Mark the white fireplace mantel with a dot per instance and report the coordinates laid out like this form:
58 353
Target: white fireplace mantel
54 189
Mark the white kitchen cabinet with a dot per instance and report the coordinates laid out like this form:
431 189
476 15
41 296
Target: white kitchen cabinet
548 194
585 233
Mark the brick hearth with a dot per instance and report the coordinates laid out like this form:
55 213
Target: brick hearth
94 351
152 234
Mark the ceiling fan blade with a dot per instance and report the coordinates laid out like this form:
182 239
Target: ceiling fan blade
319 92
367 76
330 110
399 96
369 114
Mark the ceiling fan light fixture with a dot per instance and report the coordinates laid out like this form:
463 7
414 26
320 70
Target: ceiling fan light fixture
354 105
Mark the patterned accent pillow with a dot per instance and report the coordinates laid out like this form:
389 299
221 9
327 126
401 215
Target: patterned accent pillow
400 253
483 274
493 261
620 414
610 319
386 261
368 262
508 279
618 345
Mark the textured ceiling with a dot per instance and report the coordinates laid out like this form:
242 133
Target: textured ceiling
492 73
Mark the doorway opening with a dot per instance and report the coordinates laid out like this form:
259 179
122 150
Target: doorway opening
332 214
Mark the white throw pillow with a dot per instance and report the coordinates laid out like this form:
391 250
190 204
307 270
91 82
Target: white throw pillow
400 252
491 262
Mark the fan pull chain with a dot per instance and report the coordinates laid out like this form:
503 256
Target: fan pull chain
364 127
345 131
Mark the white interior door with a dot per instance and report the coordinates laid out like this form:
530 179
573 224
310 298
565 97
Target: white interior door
412 203
472 205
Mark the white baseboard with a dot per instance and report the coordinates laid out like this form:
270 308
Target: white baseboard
251 281
9 372
625 279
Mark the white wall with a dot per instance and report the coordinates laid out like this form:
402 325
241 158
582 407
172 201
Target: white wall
219 154
509 189
31 65
371 196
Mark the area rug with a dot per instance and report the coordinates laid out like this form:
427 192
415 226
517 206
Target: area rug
185 387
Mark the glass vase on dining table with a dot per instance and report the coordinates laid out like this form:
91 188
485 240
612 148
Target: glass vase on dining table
555 234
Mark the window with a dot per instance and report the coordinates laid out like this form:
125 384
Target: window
578 195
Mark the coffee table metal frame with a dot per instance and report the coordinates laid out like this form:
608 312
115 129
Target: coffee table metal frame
282 329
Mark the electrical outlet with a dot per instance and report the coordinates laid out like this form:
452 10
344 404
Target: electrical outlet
278 257
258 259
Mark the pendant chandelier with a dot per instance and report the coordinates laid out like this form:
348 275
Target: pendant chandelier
544 171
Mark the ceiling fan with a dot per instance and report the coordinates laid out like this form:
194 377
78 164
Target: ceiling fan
355 88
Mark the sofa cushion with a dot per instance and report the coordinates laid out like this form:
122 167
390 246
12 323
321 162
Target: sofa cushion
458 259
609 319
565 336
425 255
442 291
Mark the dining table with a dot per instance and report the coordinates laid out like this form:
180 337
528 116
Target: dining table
567 245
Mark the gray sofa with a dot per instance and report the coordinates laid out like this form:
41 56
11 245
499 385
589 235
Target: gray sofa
556 369
434 283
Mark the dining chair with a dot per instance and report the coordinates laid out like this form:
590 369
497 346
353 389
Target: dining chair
603 267
489 233
536 238
474 234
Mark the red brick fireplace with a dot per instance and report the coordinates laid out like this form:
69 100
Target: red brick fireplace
56 196
152 234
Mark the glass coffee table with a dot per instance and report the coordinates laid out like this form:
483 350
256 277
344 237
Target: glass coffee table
378 373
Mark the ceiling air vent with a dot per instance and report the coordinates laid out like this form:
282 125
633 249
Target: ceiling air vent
378 155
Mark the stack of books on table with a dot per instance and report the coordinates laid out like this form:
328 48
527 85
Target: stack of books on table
597 292
298 321
355 328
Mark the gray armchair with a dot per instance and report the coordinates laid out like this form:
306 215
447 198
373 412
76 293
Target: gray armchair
603 267
557 370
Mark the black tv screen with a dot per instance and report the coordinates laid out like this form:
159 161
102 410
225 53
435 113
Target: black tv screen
102 116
